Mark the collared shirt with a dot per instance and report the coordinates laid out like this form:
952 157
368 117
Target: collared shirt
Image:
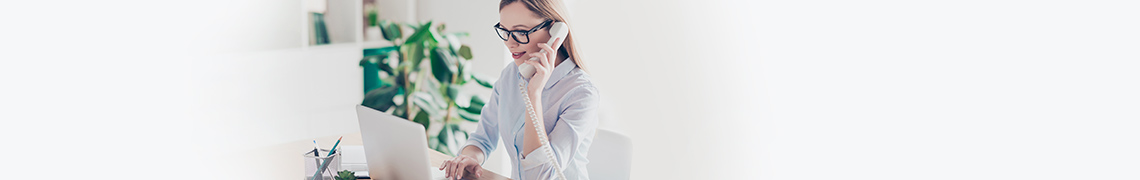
569 112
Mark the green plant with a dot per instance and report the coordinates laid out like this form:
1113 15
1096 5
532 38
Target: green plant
372 15
345 175
396 79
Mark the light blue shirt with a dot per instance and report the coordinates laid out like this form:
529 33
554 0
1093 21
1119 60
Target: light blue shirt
569 112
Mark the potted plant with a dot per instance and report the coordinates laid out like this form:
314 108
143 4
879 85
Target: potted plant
372 32
420 77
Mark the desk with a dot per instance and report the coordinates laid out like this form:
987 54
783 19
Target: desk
436 158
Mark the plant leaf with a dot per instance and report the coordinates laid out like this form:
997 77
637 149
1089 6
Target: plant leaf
482 80
457 139
433 38
466 115
391 31
417 56
452 91
426 103
423 118
399 78
379 51
385 65
371 75
453 42
380 98
436 93
421 34
400 111
433 142
440 68
464 71
387 81
367 60
445 136
465 52
476 105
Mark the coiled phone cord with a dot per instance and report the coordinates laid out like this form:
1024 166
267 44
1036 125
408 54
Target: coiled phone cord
541 133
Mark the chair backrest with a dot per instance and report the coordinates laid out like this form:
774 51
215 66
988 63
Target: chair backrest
611 155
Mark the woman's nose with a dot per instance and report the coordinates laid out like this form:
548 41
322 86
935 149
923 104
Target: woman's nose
511 44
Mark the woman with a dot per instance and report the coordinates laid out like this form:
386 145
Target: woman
569 102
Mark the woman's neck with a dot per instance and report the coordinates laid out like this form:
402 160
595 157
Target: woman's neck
561 57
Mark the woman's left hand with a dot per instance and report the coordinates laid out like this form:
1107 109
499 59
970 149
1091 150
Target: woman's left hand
543 66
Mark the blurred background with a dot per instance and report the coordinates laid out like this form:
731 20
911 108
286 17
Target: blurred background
717 89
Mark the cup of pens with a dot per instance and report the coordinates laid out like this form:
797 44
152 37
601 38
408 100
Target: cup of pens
319 163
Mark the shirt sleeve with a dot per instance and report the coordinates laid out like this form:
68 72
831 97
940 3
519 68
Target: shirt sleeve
486 136
571 135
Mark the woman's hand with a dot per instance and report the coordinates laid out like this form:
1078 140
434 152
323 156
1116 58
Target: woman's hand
543 66
460 166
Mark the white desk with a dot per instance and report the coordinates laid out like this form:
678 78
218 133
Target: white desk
289 155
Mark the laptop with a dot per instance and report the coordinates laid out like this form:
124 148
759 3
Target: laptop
394 148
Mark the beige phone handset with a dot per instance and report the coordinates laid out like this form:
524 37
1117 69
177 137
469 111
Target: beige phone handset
557 30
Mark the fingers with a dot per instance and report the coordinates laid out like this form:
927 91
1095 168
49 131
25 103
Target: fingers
445 167
542 59
457 165
475 170
537 64
444 164
448 169
460 167
454 173
456 168
550 49
546 47
557 43
462 170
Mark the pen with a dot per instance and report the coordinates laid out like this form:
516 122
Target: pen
325 165
321 168
316 149
333 150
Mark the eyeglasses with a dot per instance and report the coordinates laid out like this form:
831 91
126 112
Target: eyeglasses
515 34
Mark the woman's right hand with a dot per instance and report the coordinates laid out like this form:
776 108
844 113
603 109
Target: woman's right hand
460 166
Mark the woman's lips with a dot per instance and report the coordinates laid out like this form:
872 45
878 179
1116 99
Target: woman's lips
518 54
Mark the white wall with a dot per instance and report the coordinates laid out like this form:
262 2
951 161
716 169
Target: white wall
240 26
869 89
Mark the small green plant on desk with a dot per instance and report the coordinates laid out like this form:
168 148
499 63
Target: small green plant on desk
345 175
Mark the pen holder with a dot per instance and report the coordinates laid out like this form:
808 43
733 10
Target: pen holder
313 163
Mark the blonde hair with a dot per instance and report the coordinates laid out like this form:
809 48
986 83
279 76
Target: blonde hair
555 10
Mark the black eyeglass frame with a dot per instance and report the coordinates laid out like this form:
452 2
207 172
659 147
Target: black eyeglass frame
525 33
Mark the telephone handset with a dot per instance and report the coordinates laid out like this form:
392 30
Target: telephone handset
557 30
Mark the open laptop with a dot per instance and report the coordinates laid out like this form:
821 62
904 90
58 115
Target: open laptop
394 148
